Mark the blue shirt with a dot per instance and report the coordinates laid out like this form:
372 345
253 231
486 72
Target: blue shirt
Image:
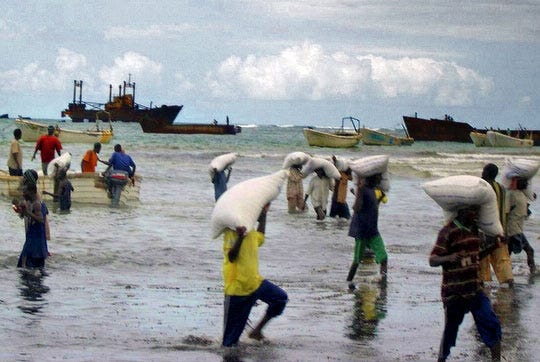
220 183
364 223
121 161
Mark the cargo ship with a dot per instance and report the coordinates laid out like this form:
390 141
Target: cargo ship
448 130
156 125
121 107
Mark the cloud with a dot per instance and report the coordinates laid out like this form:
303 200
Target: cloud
477 20
307 72
165 31
35 77
137 65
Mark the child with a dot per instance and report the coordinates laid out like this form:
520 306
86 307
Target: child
34 213
64 190
364 226
457 251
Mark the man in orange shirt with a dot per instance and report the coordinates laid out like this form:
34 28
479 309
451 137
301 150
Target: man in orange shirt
90 159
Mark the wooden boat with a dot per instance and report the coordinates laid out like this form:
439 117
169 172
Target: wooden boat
90 188
377 138
479 139
497 139
32 130
341 138
448 130
156 125
121 107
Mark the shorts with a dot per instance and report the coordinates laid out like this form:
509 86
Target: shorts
375 243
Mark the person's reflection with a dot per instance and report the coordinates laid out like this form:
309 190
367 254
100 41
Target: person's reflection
369 309
32 290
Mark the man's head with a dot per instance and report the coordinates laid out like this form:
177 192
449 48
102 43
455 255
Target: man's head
490 172
29 192
50 130
97 147
374 180
17 133
469 215
30 176
320 172
521 183
117 148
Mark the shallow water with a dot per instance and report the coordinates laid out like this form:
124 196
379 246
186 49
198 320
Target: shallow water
143 282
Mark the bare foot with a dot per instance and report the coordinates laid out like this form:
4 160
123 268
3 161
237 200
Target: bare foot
257 335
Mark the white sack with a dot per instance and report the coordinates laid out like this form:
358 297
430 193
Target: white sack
241 205
295 158
221 162
518 167
341 163
328 167
63 161
369 166
456 192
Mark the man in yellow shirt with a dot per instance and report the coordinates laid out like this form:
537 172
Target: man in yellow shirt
243 283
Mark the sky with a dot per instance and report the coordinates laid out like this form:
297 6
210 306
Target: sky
295 62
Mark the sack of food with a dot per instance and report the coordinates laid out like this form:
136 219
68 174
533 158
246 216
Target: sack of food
328 167
518 167
295 158
63 161
370 165
241 205
456 192
221 162
341 163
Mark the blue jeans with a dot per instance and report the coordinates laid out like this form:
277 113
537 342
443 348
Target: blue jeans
486 321
237 309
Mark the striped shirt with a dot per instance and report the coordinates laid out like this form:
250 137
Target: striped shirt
459 279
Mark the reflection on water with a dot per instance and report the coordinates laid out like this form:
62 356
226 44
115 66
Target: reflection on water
32 290
369 309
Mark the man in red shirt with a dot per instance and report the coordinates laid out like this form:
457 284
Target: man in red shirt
47 144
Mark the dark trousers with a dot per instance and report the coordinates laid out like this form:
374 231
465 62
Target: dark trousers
519 242
237 309
486 321
15 171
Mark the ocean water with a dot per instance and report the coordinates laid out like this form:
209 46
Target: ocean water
143 282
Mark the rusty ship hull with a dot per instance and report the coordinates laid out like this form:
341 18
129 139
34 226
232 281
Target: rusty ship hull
155 125
448 130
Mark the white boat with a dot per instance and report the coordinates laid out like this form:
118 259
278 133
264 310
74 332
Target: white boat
32 130
89 188
497 139
377 138
341 138
480 139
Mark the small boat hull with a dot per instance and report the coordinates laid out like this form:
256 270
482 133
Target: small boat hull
480 139
90 188
497 139
375 138
333 140
31 131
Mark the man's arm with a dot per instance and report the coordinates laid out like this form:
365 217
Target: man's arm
235 250
437 260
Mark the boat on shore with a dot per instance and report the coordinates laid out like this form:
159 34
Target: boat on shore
90 188
342 138
32 130
448 130
122 107
373 137
5 115
157 125
479 139
498 139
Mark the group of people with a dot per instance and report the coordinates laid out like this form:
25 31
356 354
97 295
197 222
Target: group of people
464 253
31 208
